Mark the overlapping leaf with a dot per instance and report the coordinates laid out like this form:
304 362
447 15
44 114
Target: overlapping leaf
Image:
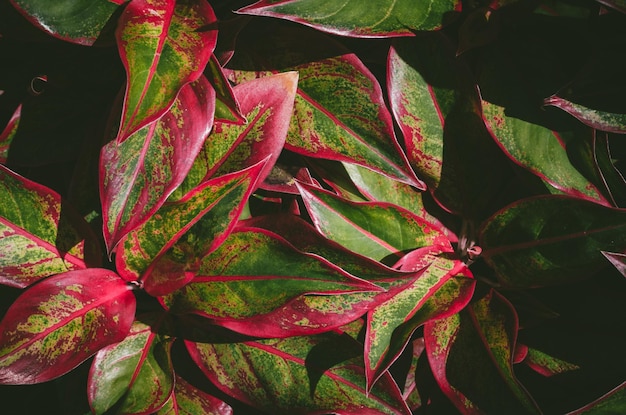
226 105
551 239
374 229
471 356
305 374
614 402
70 20
138 175
541 362
164 45
62 321
597 119
203 219
540 151
189 400
135 375
39 235
382 18
6 136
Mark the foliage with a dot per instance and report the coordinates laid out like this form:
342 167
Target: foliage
297 206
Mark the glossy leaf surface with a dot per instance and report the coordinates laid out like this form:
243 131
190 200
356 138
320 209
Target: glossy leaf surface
382 18
162 49
204 218
39 235
597 119
471 356
375 230
62 321
306 374
552 239
540 151
189 400
139 174
74 21
135 376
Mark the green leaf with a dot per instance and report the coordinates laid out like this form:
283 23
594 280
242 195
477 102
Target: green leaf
226 105
189 400
551 239
373 229
540 151
203 219
135 375
138 174
256 272
614 402
6 136
597 119
76 21
163 46
60 322
471 356
304 375
545 364
39 234
381 18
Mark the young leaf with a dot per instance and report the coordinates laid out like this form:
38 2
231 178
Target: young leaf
138 175
304 375
382 18
188 400
471 356
39 234
216 204
74 21
373 229
226 106
596 119
539 150
163 46
62 321
6 136
136 375
551 239
614 402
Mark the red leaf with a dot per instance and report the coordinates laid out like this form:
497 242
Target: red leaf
60 322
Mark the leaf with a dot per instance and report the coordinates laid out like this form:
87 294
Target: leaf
74 21
545 364
266 104
597 119
617 260
382 18
163 46
62 321
434 293
188 400
135 375
613 402
550 240
373 229
471 356
204 218
540 151
138 175
255 272
6 135
39 234
410 394
304 375
226 106
619 5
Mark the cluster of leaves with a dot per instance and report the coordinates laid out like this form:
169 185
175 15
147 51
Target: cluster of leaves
381 207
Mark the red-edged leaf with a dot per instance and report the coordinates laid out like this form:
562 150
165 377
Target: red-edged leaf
163 45
617 260
226 106
135 375
434 293
471 356
613 402
266 104
549 240
76 21
540 151
374 229
381 18
189 400
256 272
6 136
206 215
60 322
39 235
139 174
543 363
619 5
304 375
597 119
410 394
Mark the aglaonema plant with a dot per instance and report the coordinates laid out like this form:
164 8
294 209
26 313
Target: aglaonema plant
295 206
